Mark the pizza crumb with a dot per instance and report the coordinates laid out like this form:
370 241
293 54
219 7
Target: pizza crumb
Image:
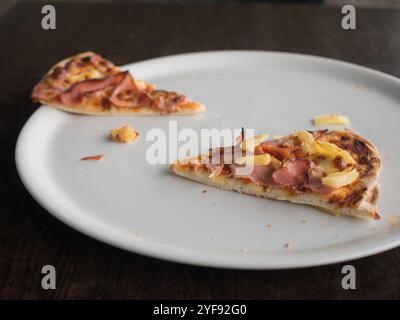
203 191
288 245
359 87
304 221
96 157
269 226
124 134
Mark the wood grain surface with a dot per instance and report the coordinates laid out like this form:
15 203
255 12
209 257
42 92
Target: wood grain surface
88 269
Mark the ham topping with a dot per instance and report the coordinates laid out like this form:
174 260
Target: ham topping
293 173
315 175
127 84
277 150
76 93
261 175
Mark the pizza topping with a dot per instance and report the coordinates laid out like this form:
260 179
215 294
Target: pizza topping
91 65
312 146
124 134
261 175
293 173
339 179
307 141
285 162
333 151
77 92
276 149
258 160
225 155
126 85
44 92
167 101
250 144
339 163
331 119
315 175
327 165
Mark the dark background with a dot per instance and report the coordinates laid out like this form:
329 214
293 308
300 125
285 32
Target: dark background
125 33
5 5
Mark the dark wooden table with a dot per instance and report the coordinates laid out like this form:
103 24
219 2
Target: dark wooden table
31 238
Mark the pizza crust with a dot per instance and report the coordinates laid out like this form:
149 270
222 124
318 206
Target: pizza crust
365 209
185 109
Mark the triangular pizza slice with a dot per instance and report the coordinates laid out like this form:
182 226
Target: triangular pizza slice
335 171
89 84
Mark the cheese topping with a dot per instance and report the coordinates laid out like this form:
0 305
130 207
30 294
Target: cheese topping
258 160
340 179
250 144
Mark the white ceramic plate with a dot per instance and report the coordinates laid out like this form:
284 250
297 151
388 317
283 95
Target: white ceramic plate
124 201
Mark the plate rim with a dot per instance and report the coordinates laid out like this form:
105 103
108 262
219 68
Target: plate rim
181 255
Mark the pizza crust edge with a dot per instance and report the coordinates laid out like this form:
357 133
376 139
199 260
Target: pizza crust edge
185 109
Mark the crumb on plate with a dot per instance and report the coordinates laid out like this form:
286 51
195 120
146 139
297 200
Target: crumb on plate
288 245
124 134
96 157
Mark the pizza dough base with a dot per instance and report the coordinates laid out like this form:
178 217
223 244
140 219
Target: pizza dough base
364 209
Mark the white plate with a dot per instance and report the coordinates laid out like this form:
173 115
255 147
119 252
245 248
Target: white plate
124 201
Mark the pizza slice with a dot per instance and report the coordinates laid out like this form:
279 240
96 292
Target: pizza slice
89 84
335 171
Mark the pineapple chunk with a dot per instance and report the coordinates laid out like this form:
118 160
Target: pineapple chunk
328 166
311 146
327 119
307 141
340 179
124 134
250 144
257 160
305 137
85 75
332 151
